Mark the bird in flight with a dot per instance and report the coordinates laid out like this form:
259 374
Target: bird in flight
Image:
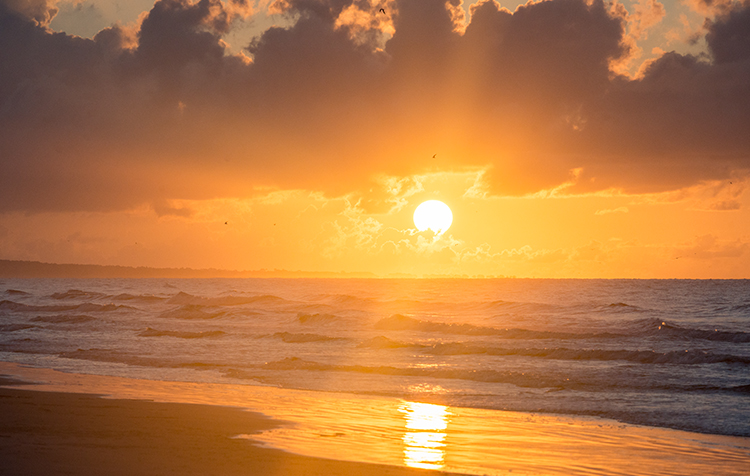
434 156
382 11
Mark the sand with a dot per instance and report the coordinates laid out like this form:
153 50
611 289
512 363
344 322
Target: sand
49 433
75 424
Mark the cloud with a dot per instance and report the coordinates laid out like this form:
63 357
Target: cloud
645 15
724 205
40 12
164 208
338 99
709 247
615 210
728 35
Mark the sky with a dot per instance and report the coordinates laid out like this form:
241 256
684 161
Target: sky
570 138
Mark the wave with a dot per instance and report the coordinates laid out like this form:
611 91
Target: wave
382 342
620 307
521 379
64 319
347 300
191 311
317 318
516 378
640 328
663 329
687 357
291 338
741 389
148 298
85 307
112 356
149 332
398 322
185 298
107 355
15 327
77 294
15 292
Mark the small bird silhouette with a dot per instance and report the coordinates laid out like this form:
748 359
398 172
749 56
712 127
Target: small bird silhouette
226 222
434 156
382 11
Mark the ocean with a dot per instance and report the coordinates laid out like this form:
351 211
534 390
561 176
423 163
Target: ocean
661 353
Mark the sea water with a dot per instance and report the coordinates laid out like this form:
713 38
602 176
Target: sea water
663 353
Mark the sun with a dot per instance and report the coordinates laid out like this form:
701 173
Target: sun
434 215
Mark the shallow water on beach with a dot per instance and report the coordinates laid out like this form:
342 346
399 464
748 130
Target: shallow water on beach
663 353
392 431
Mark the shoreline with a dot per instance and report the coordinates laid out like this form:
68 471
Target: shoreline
49 433
333 433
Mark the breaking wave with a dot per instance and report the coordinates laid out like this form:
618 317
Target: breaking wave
663 329
382 342
317 318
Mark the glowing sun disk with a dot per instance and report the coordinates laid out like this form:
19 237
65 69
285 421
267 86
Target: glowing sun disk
433 215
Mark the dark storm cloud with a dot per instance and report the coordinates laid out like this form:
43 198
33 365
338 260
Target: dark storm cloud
132 117
728 36
41 12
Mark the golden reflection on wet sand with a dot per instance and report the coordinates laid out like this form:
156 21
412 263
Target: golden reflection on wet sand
463 440
424 439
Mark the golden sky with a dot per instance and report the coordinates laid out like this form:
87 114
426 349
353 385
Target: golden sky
570 138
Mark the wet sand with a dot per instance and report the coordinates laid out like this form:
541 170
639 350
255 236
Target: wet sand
62 425
49 433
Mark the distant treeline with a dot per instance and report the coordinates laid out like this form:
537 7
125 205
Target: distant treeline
35 269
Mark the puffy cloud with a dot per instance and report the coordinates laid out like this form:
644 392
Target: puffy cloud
40 12
339 99
728 35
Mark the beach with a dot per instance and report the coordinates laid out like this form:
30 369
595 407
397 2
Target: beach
76 424
266 377
49 433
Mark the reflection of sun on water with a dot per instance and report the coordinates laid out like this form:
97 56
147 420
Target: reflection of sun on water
424 439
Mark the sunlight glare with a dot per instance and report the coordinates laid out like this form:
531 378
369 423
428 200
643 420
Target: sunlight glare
424 440
433 215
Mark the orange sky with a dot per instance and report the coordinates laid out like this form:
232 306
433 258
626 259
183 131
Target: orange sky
570 138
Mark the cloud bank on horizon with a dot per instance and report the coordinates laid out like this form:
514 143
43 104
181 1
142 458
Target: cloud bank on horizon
343 94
